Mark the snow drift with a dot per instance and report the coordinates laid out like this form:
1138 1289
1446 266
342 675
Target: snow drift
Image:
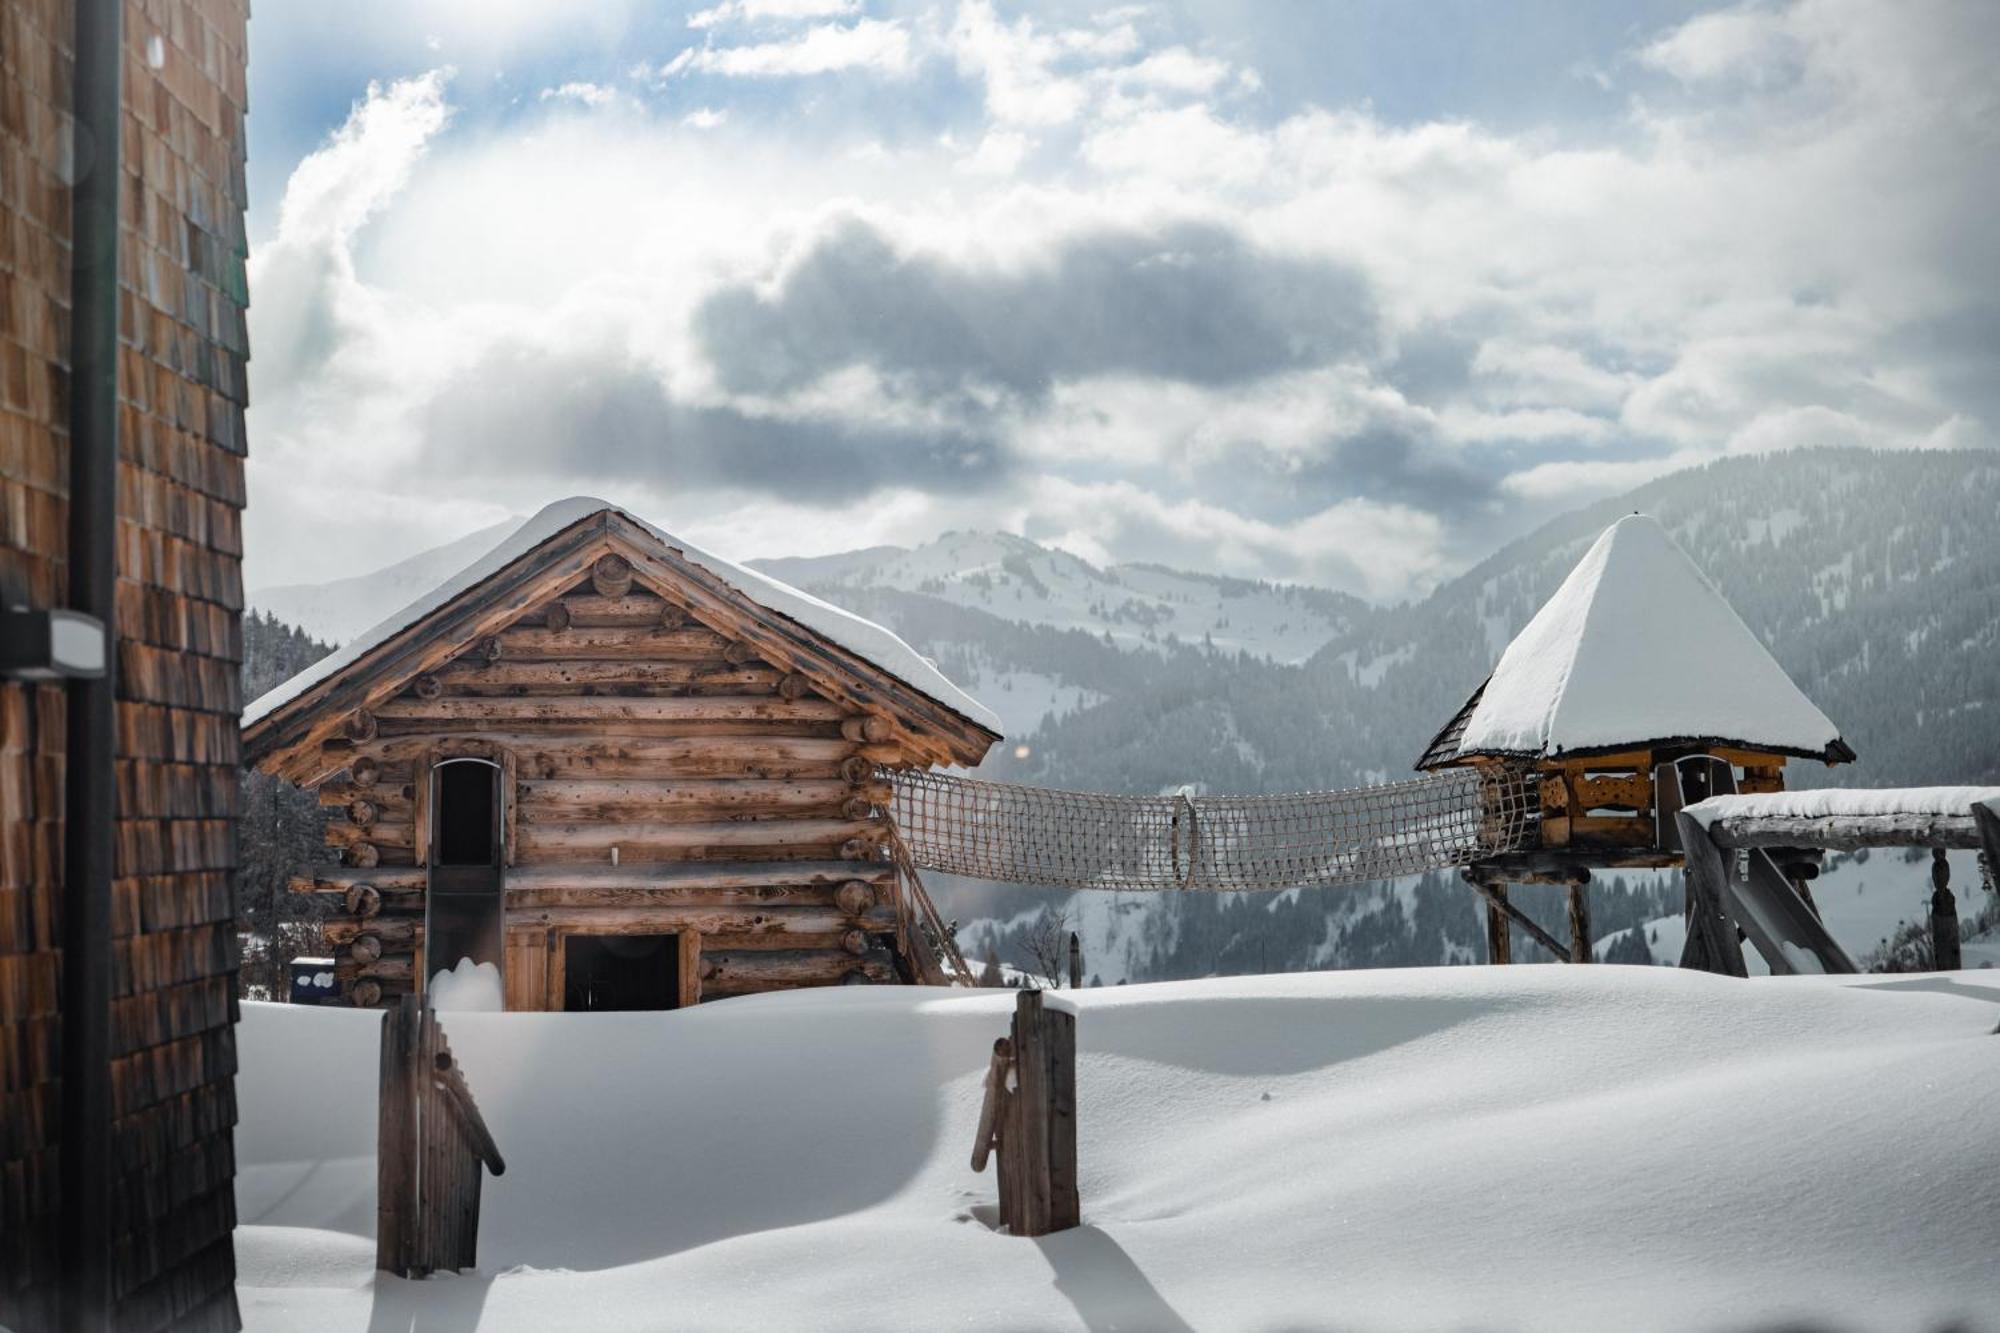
1525 1147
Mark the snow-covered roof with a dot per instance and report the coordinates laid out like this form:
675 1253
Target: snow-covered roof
864 638
1637 646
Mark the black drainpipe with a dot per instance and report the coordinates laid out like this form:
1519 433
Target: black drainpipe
89 795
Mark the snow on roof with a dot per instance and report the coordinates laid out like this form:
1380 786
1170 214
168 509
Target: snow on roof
1848 803
1636 646
863 638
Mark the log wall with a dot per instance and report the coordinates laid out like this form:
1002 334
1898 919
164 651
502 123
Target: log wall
181 257
661 779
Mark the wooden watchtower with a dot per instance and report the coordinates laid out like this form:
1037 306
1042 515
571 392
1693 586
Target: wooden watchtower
1635 663
620 772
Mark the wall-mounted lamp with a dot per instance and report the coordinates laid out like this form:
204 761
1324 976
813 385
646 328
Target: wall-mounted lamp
50 645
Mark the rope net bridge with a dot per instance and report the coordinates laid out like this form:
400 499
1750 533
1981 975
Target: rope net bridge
1081 840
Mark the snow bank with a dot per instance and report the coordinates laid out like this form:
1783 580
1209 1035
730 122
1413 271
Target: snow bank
1362 1150
863 638
1848 803
1637 645
469 988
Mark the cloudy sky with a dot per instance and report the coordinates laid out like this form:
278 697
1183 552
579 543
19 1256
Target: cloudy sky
1343 292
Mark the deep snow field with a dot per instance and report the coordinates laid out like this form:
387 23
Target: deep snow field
1540 1147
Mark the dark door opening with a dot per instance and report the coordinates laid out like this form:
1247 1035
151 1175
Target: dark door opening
463 912
621 972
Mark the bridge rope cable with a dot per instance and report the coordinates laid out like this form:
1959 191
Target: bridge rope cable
1084 840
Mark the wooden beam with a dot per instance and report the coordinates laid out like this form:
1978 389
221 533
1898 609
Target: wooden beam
535 643
1946 955
604 713
649 841
1498 906
1845 833
727 926
1986 820
1718 950
1579 923
579 678
544 801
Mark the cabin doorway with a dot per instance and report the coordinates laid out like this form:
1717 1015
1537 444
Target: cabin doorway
463 916
603 973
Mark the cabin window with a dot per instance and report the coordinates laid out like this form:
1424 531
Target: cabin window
463 910
466 812
621 972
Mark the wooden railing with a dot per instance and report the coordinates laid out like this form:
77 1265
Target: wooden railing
926 939
432 1149
1029 1119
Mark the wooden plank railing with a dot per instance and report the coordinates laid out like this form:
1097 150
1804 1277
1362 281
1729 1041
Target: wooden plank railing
432 1150
1029 1119
925 937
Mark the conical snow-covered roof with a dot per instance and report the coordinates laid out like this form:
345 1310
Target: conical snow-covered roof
1637 648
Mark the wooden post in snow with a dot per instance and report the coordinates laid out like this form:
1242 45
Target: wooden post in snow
396 1132
1712 944
1075 962
1029 1119
1499 945
1945 954
1987 820
1579 921
431 1147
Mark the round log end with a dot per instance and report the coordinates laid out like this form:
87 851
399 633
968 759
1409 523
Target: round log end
671 616
794 687
363 900
365 949
854 941
367 993
364 772
856 977
364 855
856 849
854 897
490 650
736 653
854 768
427 687
360 725
857 807
611 576
869 729
557 616
361 813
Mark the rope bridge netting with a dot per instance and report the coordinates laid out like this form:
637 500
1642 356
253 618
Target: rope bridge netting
1081 840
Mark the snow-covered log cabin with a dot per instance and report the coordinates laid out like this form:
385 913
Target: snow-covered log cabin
621 773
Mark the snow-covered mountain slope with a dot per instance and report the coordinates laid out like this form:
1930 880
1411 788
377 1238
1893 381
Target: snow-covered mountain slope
337 611
1139 606
1361 1150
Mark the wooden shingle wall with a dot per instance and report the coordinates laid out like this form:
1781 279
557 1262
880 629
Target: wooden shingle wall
180 492
34 538
182 253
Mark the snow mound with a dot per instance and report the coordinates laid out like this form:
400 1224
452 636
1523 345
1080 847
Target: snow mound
1637 645
468 988
1363 1150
